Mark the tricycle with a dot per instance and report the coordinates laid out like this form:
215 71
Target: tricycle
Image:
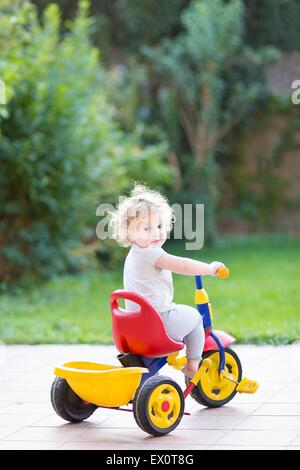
157 401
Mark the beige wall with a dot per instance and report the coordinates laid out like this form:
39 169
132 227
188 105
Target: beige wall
254 149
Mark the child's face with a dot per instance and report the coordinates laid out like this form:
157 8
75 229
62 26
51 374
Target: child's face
148 230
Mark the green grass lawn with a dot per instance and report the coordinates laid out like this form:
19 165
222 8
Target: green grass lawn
259 303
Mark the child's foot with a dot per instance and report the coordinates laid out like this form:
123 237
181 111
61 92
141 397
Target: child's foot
191 367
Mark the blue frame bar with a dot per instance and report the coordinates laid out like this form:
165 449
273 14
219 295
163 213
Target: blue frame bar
153 365
203 309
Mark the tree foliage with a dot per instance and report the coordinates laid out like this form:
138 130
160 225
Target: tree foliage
61 151
196 67
273 23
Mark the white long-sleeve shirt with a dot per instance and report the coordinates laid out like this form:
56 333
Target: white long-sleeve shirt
142 277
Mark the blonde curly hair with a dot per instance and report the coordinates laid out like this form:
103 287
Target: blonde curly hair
141 201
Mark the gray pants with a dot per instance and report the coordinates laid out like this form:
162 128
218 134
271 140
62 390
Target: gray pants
184 323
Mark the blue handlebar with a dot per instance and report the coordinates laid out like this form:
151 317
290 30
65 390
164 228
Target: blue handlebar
198 280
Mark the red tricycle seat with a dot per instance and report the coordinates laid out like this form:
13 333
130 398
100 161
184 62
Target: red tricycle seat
140 331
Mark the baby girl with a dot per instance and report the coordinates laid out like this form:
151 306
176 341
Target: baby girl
142 222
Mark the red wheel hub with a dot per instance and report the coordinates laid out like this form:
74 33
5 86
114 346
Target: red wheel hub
165 406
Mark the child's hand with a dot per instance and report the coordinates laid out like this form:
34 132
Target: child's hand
215 266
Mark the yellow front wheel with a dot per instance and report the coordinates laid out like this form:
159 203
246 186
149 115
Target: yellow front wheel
158 405
213 391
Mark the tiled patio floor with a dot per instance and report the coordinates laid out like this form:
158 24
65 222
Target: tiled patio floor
269 419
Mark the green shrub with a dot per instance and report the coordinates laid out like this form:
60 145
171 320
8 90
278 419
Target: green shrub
61 152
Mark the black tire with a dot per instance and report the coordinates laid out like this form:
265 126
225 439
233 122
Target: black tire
67 404
198 393
141 400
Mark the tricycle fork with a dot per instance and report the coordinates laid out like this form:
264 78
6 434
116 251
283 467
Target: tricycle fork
221 351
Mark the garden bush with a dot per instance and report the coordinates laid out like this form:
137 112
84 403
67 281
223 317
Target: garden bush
61 151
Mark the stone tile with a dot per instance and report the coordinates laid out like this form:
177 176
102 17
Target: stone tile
17 420
38 397
94 446
232 409
112 412
32 385
210 422
7 430
53 420
13 396
293 387
295 442
250 447
29 421
28 408
271 386
120 419
258 438
3 404
63 434
286 397
261 396
267 375
280 409
171 447
138 437
279 423
98 446
28 445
